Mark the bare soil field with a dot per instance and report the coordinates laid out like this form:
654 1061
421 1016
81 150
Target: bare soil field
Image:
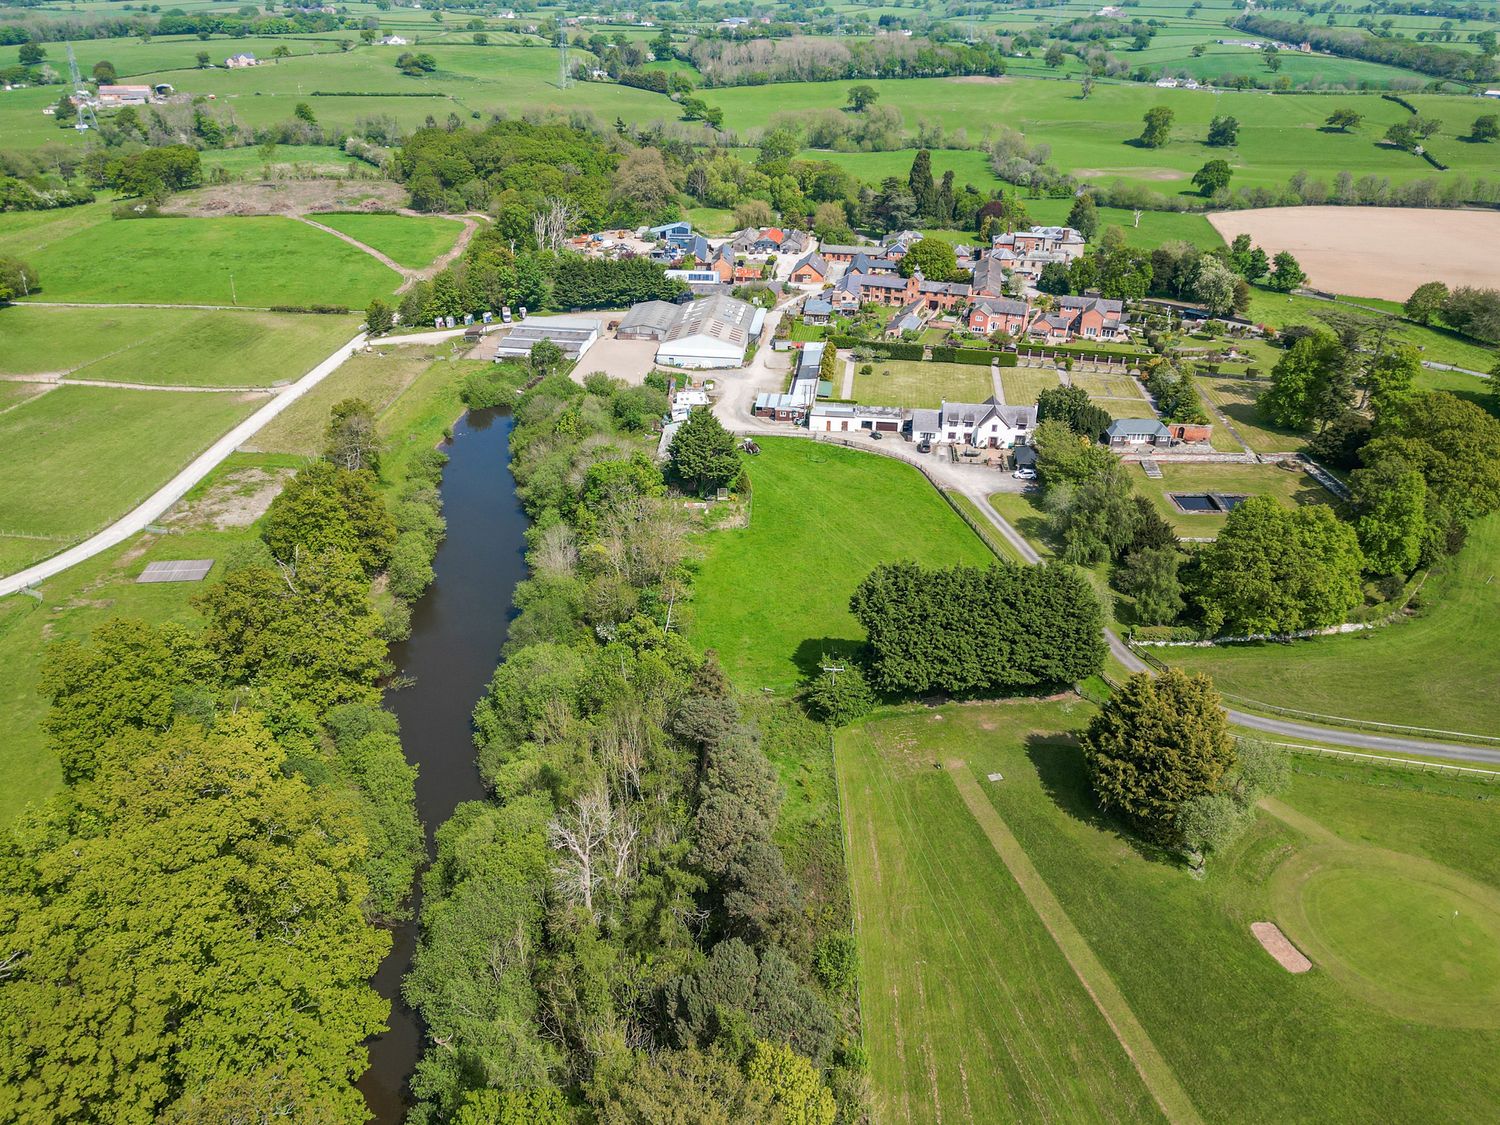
288 197
1376 251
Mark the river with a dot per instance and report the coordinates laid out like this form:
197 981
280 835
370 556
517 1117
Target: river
457 630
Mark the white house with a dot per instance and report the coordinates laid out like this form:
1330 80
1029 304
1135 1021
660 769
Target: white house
987 424
393 41
234 62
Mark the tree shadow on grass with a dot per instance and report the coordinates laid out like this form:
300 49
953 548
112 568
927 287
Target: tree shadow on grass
1059 766
812 654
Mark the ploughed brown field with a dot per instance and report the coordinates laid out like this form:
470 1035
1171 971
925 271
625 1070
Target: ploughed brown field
1376 251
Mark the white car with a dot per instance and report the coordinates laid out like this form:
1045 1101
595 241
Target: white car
1024 474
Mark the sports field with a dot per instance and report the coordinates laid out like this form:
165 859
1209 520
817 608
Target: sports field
1375 251
77 457
773 597
84 255
1439 668
946 862
168 347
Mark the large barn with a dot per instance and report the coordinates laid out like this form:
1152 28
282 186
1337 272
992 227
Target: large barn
713 332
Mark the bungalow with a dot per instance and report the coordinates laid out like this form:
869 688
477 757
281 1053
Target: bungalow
816 310
988 424
989 315
234 62
1129 433
1097 319
845 417
811 270
393 41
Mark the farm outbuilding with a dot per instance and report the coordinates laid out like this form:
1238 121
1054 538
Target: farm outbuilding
713 332
574 337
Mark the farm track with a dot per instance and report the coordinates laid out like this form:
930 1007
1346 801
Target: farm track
409 277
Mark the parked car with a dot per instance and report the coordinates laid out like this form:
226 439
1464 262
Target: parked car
924 447
1024 474
875 435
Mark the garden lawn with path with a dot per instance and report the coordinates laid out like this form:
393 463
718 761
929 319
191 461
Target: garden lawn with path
1236 396
1245 1039
773 597
913 383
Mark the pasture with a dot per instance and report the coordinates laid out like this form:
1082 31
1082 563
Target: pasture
413 241
77 457
772 598
253 261
168 347
1375 251
1243 1040
1438 668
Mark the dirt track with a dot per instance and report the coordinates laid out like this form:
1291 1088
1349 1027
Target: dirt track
1376 251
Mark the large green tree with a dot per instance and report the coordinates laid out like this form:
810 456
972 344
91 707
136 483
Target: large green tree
189 915
1158 127
326 507
1274 570
1392 500
1156 744
935 258
1299 395
703 452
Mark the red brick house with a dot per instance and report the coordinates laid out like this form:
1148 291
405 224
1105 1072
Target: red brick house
989 315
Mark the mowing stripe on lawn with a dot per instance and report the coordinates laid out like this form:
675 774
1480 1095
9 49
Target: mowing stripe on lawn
1148 1061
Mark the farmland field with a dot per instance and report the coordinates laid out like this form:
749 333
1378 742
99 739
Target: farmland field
773 597
1439 668
170 347
77 457
1375 251
410 240
1245 1040
256 261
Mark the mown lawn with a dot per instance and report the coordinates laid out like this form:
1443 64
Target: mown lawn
78 457
169 347
252 261
1439 668
772 598
1248 1041
971 1012
1290 488
912 383
1236 396
413 241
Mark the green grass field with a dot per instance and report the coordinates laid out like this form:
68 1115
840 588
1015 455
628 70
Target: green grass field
1290 488
257 261
1395 853
1437 669
77 457
169 347
773 597
411 240
1236 396
971 1012
905 382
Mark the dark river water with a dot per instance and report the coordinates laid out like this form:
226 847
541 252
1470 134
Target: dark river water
457 630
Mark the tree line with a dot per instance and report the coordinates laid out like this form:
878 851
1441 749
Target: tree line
615 931
192 923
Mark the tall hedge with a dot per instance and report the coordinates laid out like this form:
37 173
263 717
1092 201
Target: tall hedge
973 631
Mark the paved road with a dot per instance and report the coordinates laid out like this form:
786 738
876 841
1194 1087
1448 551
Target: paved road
169 493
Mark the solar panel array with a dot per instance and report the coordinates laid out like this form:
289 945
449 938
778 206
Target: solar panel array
177 570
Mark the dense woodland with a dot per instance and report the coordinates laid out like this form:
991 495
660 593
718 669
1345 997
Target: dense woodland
192 924
617 927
